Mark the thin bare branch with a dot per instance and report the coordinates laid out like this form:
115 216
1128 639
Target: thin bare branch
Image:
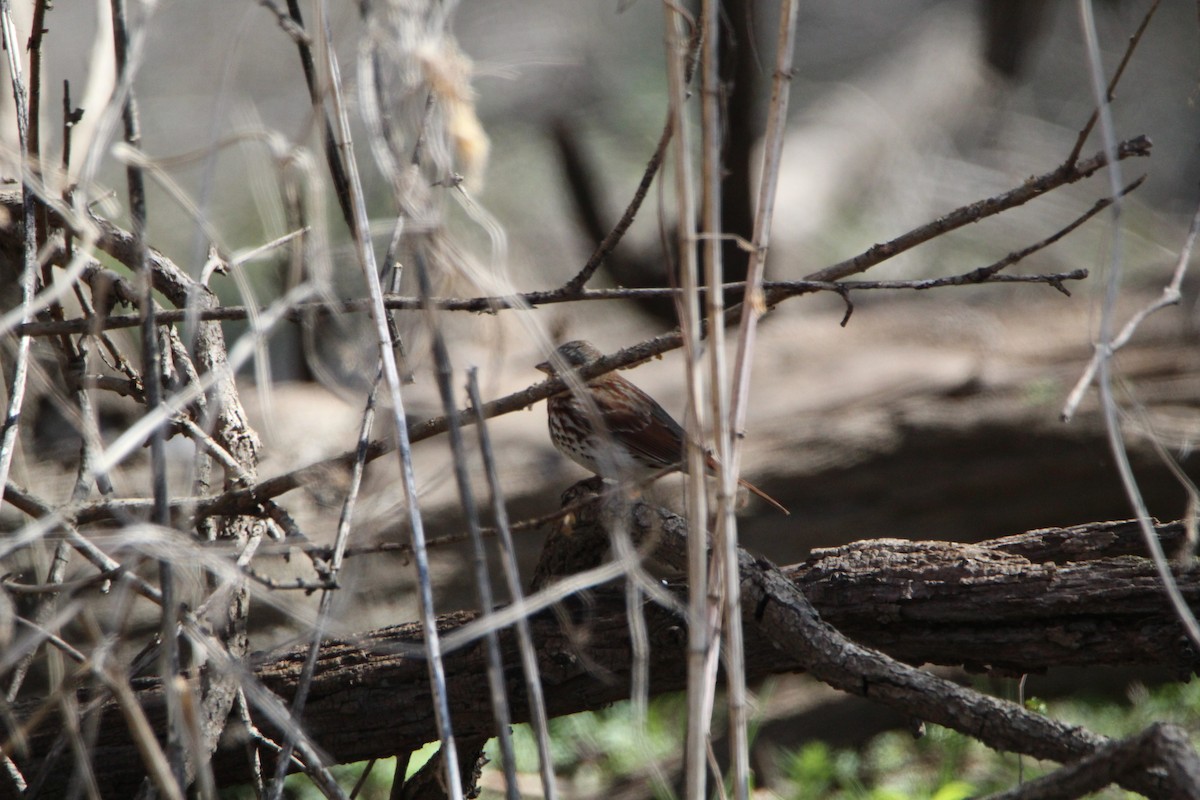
152 388
1112 84
734 414
443 375
1067 173
538 719
329 582
1104 347
292 27
360 228
614 236
119 243
161 771
337 167
701 636
16 392
304 311
1171 295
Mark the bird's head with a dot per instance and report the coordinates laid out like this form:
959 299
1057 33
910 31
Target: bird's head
576 354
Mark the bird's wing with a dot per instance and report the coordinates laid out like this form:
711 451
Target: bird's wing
639 424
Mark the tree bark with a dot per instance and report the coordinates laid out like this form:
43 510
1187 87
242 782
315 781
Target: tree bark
1055 597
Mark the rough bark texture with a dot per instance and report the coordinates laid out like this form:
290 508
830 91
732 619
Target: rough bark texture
1160 744
998 603
793 625
1004 606
221 411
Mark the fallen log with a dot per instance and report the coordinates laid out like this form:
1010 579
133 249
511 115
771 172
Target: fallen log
1027 603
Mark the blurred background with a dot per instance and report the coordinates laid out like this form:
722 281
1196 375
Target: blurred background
930 415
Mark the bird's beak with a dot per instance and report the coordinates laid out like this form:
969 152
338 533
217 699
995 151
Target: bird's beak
544 367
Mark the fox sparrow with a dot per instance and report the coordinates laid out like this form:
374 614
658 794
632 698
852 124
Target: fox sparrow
627 431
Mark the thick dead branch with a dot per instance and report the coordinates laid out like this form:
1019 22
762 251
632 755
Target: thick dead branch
1160 745
1076 596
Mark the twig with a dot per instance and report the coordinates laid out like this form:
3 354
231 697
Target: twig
49 636
302 311
343 534
1065 174
330 577
80 742
27 133
753 308
533 682
1104 347
117 243
1053 279
1112 84
610 241
293 584
37 31
99 559
443 375
614 236
725 633
983 273
337 167
362 778
152 387
253 737
360 228
292 27
16 394
399 774
1171 295
204 786
702 640
42 613
161 771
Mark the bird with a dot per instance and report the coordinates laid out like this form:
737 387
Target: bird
635 434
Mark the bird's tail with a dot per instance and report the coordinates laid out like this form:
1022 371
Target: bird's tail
755 490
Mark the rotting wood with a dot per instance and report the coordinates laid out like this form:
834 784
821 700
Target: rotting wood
995 604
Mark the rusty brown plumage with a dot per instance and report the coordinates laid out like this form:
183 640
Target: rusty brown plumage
616 428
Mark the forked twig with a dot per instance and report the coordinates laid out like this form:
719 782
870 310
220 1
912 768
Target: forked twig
1065 174
1171 295
1112 84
